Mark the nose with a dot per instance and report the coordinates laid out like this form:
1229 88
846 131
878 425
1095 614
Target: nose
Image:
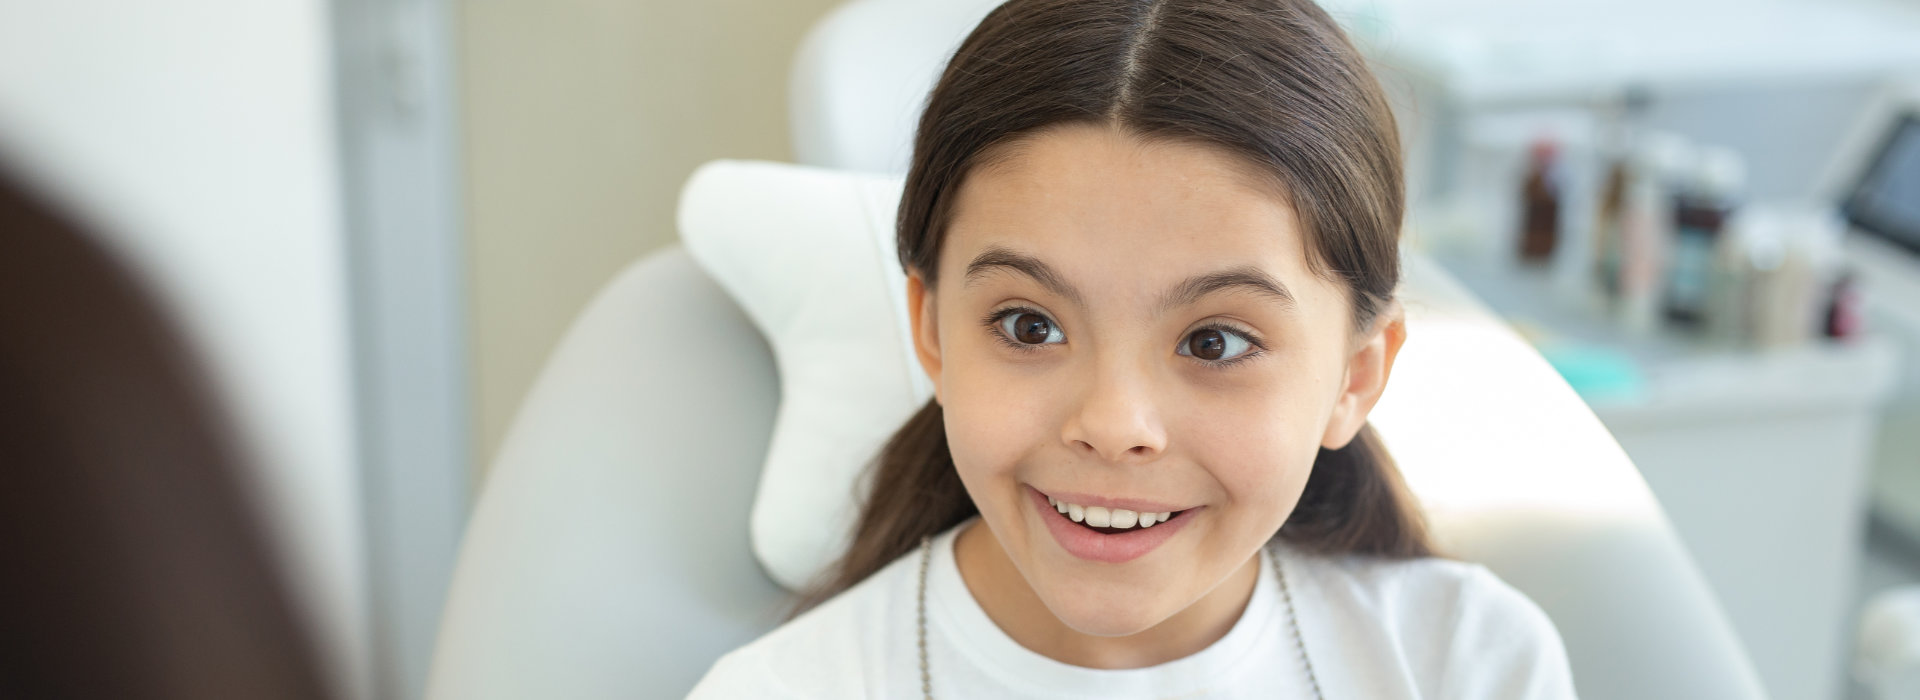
1117 418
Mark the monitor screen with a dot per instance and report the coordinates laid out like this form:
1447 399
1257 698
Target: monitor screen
1886 201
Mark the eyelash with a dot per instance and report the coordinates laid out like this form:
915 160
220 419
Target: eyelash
993 318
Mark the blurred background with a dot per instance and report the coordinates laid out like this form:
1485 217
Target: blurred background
373 219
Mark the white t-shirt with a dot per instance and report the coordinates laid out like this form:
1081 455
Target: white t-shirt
1373 628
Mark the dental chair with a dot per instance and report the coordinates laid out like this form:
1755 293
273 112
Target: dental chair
612 553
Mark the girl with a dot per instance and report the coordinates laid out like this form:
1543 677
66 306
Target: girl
1151 249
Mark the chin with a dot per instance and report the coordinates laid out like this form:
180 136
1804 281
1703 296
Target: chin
1106 616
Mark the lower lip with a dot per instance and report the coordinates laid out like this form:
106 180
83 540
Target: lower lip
1094 546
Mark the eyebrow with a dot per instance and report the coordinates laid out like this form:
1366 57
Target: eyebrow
1246 278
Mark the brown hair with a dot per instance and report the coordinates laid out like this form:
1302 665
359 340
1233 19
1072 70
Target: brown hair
1273 82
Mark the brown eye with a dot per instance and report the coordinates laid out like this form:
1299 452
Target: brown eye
1216 345
1030 328
1207 345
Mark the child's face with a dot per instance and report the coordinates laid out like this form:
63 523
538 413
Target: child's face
1112 400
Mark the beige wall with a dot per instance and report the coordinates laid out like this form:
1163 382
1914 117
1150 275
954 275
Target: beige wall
582 119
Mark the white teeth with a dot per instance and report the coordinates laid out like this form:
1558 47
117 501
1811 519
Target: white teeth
1101 516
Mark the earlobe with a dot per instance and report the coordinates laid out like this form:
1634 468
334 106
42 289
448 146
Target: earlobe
1366 378
925 329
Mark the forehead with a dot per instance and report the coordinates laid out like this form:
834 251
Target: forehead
1125 216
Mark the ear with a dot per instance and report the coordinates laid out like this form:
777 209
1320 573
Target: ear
926 328
1366 376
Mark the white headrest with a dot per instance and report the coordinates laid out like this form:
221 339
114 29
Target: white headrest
809 254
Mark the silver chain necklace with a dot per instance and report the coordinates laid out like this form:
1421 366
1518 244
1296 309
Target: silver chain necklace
926 676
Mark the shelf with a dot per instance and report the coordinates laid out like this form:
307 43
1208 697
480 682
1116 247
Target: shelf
1679 377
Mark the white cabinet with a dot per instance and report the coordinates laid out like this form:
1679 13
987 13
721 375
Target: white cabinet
1760 459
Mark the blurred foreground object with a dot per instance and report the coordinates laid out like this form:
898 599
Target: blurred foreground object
1888 660
133 567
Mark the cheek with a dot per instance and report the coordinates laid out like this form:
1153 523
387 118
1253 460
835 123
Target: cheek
993 415
1259 439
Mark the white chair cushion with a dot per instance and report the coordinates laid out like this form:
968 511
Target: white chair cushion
808 253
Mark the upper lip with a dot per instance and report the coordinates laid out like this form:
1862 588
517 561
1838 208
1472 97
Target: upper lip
1138 505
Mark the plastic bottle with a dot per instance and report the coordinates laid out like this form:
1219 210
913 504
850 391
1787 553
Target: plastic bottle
1744 253
1540 203
1699 218
1646 228
1756 271
1606 228
1787 297
1844 319
1621 135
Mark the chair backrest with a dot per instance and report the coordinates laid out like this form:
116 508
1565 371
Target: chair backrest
607 556
581 577
861 78
1590 557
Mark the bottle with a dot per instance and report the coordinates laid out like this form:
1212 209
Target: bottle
1790 264
1732 277
1608 222
1843 314
1622 134
1822 243
1699 218
1540 203
1784 319
1646 228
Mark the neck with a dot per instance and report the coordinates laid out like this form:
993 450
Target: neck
1013 606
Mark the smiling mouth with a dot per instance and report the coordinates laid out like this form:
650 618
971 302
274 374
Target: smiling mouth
1109 521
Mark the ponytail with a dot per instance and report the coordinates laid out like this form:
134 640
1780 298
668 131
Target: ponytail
1357 503
915 492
